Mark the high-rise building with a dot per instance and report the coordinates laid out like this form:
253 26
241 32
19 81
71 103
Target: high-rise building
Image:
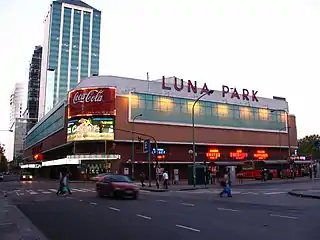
17 122
71 50
33 88
17 98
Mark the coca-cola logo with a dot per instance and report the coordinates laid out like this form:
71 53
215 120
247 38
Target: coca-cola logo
93 96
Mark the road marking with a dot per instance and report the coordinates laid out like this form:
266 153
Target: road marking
283 216
93 203
251 193
45 192
33 193
52 190
76 190
40 190
188 204
114 209
6 224
81 200
273 193
188 228
69 197
161 200
145 217
85 190
228 209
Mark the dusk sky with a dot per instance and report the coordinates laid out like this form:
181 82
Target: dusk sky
268 45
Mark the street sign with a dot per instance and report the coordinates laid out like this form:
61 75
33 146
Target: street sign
146 146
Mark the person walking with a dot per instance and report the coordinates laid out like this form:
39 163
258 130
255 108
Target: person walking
165 179
225 183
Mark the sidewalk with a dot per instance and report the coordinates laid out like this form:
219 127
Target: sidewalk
310 191
14 225
183 185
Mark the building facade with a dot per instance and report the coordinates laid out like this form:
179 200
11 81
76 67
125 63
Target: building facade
105 120
17 99
71 50
33 88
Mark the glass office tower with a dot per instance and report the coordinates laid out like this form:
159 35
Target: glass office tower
71 50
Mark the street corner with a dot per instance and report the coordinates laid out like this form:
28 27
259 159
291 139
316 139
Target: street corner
14 224
305 193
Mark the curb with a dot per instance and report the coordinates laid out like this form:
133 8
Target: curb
155 190
31 230
298 194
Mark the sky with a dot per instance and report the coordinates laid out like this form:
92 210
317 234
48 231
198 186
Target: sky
268 45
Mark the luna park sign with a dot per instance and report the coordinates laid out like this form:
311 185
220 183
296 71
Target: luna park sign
192 86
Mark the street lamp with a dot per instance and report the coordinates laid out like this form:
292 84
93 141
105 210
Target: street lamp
132 145
193 135
288 127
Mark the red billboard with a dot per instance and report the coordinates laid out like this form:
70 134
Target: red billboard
92 102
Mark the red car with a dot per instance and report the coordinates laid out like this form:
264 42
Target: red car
117 186
98 177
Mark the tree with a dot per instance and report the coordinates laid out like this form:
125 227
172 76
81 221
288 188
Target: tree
309 145
3 159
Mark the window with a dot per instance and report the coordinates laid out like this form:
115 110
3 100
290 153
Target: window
245 113
222 110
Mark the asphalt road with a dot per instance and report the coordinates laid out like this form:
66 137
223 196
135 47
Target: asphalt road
171 215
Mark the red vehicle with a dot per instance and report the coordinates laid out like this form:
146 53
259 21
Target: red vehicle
117 186
252 169
98 177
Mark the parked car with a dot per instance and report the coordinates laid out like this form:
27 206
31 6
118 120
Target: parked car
99 177
117 186
26 176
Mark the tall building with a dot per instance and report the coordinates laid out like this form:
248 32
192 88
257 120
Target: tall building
17 122
71 50
33 88
16 102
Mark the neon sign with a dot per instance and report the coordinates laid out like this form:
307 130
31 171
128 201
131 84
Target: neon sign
161 153
213 154
261 155
239 155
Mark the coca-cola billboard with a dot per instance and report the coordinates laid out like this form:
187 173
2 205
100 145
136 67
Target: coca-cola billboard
92 102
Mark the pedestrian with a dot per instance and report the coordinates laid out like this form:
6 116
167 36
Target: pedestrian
165 179
60 183
225 184
142 177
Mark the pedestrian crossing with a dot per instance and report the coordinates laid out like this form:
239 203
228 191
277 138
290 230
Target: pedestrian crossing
254 193
25 192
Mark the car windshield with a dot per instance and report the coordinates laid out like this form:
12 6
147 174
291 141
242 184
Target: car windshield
120 178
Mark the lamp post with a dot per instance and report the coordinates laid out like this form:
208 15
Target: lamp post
193 135
288 127
132 145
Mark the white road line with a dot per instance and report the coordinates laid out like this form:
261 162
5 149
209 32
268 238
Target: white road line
81 200
90 190
228 209
161 200
188 204
93 203
52 190
76 190
145 217
114 209
273 193
6 224
33 193
40 190
188 228
85 190
45 192
21 194
249 193
18 194
283 216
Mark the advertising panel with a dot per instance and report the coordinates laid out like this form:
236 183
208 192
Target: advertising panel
91 129
92 102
